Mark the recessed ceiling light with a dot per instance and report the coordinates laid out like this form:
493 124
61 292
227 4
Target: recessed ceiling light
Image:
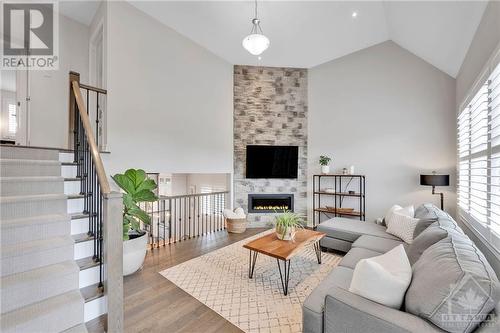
259 57
354 14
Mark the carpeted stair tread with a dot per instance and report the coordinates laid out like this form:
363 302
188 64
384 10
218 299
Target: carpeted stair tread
15 250
20 186
28 153
33 228
34 220
35 197
32 286
54 314
25 167
77 329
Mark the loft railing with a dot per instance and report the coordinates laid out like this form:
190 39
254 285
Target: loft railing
90 169
180 217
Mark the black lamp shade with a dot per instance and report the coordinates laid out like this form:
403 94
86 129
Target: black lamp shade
435 180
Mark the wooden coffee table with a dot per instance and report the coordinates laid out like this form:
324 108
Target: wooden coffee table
283 251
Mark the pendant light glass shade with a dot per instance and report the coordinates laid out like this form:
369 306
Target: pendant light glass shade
256 43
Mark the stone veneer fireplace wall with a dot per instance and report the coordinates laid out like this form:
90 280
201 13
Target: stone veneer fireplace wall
270 108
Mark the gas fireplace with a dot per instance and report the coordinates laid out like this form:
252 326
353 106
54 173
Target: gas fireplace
269 203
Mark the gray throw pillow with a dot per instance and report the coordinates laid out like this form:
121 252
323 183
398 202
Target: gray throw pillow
453 286
421 226
422 242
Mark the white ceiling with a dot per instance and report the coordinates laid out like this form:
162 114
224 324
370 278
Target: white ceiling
81 11
308 33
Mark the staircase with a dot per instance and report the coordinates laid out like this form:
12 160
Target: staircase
40 289
61 237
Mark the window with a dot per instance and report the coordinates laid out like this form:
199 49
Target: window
478 144
12 119
212 204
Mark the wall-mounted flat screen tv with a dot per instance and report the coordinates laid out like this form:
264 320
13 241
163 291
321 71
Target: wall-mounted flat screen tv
272 161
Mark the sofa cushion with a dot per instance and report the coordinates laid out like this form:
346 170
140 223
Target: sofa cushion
378 244
355 255
350 229
433 234
314 304
430 211
451 280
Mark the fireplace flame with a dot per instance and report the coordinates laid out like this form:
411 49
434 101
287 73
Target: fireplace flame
272 207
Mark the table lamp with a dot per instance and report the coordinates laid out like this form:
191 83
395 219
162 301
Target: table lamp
435 180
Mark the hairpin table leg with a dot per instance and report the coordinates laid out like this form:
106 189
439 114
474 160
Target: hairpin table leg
251 266
286 272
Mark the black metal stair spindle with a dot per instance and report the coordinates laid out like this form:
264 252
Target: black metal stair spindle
93 204
169 220
100 243
97 120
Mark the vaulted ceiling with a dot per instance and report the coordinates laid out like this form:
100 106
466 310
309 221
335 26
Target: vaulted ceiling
308 33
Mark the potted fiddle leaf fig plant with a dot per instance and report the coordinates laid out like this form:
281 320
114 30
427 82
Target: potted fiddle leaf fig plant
287 225
138 188
324 161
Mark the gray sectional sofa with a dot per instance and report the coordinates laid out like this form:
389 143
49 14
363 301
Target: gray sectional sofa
453 287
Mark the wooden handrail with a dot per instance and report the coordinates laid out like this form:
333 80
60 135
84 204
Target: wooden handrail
101 174
166 197
99 90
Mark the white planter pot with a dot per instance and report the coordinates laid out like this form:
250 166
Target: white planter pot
134 252
289 234
325 169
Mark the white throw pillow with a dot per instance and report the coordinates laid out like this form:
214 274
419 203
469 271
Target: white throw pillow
402 226
383 279
240 212
408 211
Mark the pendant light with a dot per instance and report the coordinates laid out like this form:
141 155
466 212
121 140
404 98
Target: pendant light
256 42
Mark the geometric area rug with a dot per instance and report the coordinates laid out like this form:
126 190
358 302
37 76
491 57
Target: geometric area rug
219 280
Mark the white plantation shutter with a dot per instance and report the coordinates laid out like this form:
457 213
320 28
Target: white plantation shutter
478 144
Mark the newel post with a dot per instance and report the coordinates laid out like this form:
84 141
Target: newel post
73 76
113 259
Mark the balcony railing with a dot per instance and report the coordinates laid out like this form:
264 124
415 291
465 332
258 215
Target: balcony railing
180 217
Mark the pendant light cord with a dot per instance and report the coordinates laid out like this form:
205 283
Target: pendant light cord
255 9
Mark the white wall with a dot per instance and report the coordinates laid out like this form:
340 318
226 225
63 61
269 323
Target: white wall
392 116
170 100
48 110
486 39
215 181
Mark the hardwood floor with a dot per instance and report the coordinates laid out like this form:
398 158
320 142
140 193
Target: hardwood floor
154 304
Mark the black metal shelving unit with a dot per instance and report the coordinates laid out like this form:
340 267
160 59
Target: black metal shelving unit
343 187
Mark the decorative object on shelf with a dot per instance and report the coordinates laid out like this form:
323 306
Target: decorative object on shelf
345 171
236 221
351 170
330 204
329 190
287 224
436 180
256 42
324 161
340 210
138 189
